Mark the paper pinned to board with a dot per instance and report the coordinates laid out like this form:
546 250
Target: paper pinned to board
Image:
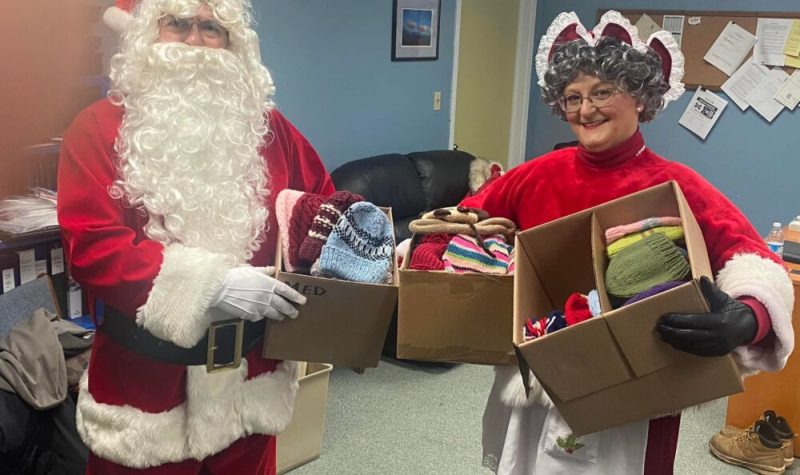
789 93
694 20
743 81
702 112
762 97
771 35
646 26
792 46
674 24
730 48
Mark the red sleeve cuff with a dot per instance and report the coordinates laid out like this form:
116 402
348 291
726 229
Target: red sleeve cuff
762 317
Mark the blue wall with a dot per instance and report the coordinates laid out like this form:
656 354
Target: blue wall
331 62
754 163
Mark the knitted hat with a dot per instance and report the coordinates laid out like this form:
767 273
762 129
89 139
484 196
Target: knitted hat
294 211
328 214
465 254
427 254
644 264
594 303
673 232
118 16
653 291
577 309
360 246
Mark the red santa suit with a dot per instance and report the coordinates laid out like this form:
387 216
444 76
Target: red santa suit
520 434
137 412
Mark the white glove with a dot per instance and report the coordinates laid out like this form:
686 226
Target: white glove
251 294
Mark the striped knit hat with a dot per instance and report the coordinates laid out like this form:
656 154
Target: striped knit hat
326 218
465 254
360 246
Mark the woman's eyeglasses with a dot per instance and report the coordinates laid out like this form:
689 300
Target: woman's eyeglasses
598 98
181 28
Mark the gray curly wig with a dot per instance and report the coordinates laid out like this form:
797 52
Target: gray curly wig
638 74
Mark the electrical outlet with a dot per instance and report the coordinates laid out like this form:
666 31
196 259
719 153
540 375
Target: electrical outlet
437 100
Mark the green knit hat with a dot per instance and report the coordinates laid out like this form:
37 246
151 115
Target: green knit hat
645 264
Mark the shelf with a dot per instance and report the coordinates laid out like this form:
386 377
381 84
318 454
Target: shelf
16 241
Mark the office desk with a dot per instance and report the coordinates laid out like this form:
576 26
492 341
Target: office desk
778 391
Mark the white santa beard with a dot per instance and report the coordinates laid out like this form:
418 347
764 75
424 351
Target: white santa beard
188 148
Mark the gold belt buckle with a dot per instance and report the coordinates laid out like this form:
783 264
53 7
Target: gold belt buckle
211 367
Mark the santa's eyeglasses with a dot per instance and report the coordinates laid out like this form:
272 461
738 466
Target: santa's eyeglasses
209 30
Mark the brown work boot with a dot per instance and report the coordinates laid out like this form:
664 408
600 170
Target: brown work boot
785 433
756 448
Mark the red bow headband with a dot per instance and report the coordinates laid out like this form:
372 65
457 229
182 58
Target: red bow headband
567 27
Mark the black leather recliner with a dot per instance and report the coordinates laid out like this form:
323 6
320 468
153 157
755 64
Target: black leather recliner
410 184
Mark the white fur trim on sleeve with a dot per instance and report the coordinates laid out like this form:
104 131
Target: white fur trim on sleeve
765 280
176 309
220 409
512 391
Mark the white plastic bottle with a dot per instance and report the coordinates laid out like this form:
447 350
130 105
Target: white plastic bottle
795 224
775 239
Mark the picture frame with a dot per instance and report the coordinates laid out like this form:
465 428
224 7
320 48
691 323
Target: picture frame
415 30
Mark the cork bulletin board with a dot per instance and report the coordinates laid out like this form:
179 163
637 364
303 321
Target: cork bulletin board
700 33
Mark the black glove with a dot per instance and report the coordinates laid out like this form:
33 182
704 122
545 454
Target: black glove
729 324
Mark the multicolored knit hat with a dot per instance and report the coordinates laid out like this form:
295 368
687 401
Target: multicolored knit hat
295 211
465 254
644 264
360 246
328 214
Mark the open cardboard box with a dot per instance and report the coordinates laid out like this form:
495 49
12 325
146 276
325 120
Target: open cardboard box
461 318
342 323
612 369
301 441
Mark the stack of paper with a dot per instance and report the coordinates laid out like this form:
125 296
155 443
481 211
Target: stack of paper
23 214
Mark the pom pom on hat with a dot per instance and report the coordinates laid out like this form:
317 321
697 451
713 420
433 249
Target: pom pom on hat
118 17
360 246
326 218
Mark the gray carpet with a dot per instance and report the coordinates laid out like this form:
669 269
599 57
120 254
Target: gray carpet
408 419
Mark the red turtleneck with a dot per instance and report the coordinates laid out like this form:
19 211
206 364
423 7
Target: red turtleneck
628 149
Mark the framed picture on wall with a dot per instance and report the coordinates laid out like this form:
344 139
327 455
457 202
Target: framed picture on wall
415 30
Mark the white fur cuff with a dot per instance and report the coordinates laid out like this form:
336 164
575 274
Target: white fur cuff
754 276
176 307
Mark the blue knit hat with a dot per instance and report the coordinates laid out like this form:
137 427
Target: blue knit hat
360 246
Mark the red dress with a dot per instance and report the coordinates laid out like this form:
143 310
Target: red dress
572 179
134 411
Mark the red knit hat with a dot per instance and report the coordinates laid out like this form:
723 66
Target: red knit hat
329 213
118 16
295 211
576 309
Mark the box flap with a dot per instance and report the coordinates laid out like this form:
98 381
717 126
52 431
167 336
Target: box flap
576 361
634 327
695 242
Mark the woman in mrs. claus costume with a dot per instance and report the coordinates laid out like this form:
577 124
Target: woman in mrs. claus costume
603 83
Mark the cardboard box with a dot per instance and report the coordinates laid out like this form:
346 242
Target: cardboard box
342 323
612 369
301 441
461 318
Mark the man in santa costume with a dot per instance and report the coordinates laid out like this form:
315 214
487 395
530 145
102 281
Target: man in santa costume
603 83
166 198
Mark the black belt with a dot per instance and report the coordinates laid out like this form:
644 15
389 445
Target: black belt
221 348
